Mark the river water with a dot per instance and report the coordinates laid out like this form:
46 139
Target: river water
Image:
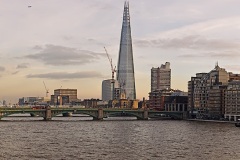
117 138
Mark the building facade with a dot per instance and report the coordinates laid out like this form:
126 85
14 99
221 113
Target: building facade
64 96
109 89
30 100
210 93
161 77
125 68
232 101
163 100
207 93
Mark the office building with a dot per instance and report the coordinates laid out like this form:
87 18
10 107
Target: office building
161 77
125 68
109 89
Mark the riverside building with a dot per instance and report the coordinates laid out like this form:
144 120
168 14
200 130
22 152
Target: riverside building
206 93
232 101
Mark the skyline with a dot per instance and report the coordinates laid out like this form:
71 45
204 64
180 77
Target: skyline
61 43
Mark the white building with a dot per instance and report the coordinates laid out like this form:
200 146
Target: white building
108 87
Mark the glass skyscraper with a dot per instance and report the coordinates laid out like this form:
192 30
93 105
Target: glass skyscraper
125 68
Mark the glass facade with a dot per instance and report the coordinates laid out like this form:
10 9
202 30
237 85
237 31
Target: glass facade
125 69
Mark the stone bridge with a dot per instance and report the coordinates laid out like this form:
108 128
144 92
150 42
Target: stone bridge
96 113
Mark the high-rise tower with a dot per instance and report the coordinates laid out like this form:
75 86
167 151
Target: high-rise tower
161 77
125 68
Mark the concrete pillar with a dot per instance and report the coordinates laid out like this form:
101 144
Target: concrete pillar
48 114
235 118
100 114
145 114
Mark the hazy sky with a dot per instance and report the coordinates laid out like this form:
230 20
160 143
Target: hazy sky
61 42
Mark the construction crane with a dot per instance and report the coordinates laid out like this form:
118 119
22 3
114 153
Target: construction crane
113 69
47 90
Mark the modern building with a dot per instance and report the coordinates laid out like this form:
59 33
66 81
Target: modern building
64 96
109 89
161 77
125 68
209 94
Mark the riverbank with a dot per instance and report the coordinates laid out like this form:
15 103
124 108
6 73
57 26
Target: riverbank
215 121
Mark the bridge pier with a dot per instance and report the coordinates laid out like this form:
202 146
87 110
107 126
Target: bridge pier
99 114
144 115
48 114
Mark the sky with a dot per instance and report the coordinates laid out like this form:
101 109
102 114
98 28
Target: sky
61 42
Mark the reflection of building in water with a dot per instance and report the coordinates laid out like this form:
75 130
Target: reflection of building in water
63 96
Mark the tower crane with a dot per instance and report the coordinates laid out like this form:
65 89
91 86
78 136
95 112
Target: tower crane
113 69
47 90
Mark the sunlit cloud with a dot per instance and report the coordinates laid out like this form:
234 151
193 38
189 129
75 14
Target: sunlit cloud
65 75
2 69
59 55
22 66
189 42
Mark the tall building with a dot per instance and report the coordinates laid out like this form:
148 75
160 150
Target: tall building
161 77
108 91
125 68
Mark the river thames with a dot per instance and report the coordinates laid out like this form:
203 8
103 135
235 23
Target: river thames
117 138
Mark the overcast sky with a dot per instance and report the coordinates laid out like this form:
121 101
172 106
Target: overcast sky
61 42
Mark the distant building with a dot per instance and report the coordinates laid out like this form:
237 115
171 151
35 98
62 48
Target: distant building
30 100
90 103
64 96
109 89
124 103
176 103
232 101
161 77
168 99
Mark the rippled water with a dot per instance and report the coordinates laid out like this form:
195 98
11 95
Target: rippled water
75 138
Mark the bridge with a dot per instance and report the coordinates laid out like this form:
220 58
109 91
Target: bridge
96 113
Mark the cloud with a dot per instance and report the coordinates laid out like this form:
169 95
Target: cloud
22 66
63 75
59 55
220 54
2 69
16 72
189 42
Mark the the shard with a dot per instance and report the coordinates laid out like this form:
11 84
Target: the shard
125 68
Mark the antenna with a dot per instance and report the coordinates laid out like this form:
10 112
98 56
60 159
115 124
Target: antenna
47 90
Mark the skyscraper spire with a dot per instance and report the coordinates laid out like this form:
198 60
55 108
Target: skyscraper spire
125 69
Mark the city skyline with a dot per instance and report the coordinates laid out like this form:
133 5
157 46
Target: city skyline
61 43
